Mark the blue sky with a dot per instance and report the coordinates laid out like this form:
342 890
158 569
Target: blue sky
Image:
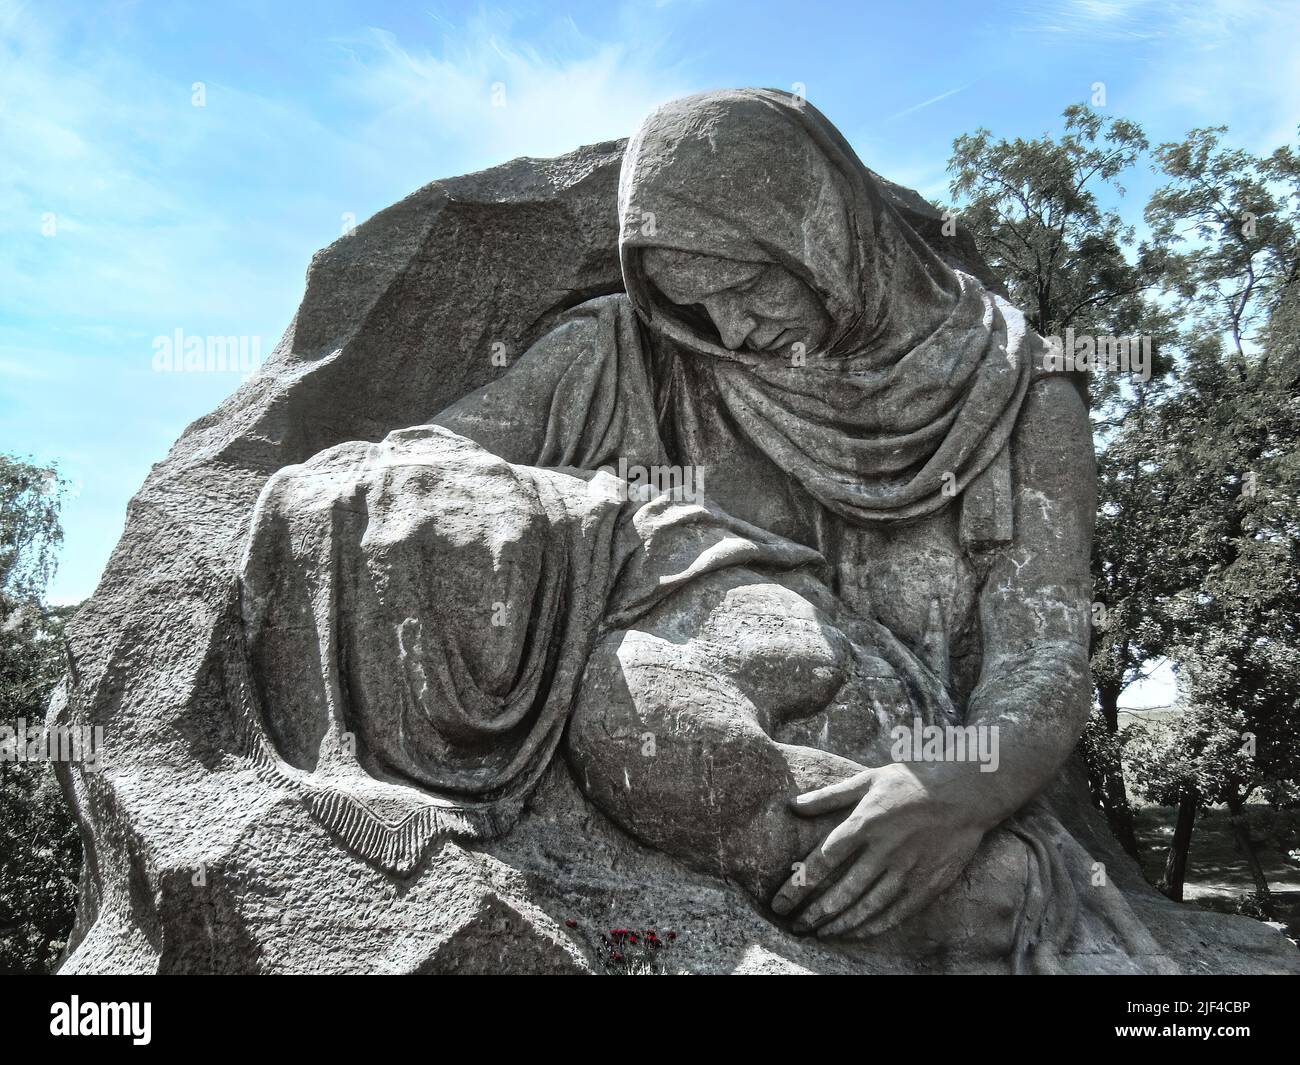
127 212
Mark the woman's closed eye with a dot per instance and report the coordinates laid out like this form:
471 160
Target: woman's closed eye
771 296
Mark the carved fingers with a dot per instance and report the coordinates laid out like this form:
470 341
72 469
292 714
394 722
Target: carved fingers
891 856
864 874
885 891
804 882
833 796
821 869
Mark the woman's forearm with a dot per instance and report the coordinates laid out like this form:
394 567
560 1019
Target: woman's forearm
1032 708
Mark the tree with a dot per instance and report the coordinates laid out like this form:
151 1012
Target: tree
1033 208
40 851
1228 223
1232 471
1226 458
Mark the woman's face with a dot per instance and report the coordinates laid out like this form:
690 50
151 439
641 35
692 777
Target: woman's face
755 306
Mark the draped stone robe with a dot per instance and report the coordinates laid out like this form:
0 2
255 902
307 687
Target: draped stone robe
1002 623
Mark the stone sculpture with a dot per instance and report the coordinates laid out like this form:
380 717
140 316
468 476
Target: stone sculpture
751 597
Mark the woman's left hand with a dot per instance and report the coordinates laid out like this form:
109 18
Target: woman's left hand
913 828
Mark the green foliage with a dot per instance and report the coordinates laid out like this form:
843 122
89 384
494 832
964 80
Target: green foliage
1225 455
40 851
1032 207
1103 753
1228 220
1190 752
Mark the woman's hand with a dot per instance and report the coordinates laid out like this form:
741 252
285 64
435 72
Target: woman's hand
912 830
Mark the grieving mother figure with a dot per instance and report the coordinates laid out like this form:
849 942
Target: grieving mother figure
921 497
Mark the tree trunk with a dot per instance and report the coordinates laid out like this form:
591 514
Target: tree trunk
1171 883
1110 786
1241 831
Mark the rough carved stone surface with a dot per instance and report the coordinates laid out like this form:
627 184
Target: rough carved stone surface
380 648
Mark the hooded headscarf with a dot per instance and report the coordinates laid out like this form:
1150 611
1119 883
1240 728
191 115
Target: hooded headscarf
916 390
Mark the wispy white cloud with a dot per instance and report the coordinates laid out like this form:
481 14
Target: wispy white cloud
489 94
15 366
927 103
1094 19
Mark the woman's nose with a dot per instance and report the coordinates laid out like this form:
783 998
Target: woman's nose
731 322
